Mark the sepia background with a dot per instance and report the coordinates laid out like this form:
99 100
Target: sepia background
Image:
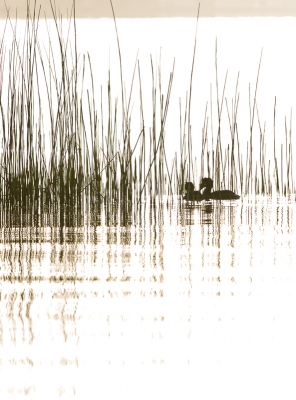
171 299
159 8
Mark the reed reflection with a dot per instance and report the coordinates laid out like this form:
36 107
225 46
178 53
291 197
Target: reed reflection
106 286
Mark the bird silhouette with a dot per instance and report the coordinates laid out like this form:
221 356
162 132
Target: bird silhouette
205 192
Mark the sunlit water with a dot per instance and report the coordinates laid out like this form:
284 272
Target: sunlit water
183 302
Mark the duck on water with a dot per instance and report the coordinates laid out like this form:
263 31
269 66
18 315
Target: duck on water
205 192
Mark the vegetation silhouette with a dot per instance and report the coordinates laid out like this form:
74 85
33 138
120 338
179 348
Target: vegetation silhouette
81 162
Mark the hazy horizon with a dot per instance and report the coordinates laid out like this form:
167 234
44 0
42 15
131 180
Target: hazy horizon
154 8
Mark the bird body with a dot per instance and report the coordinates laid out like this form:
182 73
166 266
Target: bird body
223 195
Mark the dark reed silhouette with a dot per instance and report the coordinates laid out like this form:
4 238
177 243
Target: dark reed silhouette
205 192
62 166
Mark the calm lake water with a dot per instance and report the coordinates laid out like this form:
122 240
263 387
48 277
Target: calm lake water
177 301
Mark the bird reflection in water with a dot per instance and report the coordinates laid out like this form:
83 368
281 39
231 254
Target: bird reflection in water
206 215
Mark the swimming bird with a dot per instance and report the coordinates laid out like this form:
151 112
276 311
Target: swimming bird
205 192
206 184
191 194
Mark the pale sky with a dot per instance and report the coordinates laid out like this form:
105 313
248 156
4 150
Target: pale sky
157 8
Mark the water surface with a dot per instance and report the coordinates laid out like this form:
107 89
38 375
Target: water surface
178 301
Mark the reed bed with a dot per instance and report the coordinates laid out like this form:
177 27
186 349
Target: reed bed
79 160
